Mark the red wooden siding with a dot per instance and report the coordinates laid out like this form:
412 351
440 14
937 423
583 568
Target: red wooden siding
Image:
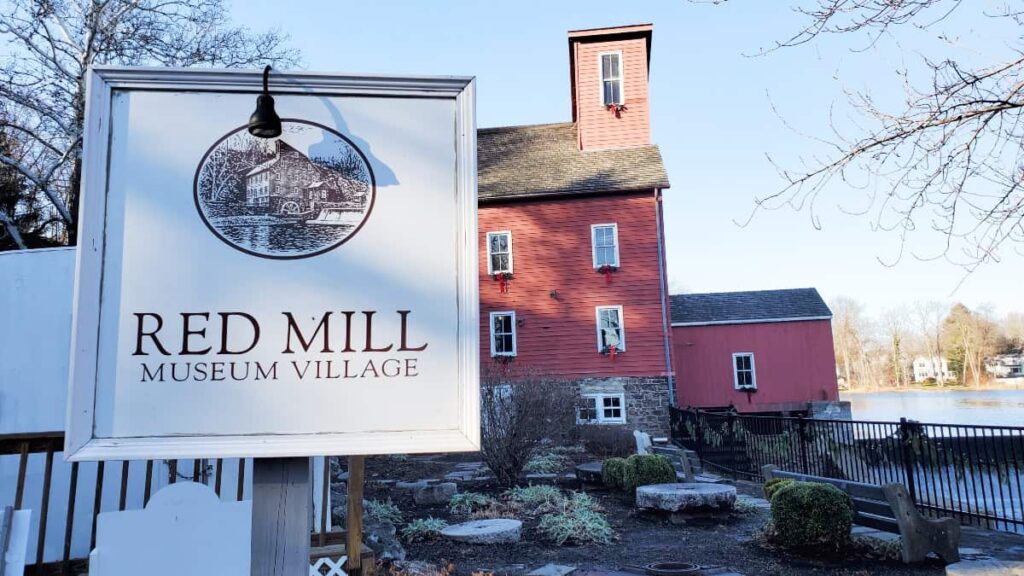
598 126
794 364
551 251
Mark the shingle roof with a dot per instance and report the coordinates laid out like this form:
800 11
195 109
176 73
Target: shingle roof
544 160
748 307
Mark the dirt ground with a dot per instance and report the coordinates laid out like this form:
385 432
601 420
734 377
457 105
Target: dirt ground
640 538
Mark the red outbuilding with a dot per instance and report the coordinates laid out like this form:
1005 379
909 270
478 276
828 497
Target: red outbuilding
763 351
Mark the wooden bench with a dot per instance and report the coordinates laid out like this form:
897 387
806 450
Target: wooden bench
685 462
889 508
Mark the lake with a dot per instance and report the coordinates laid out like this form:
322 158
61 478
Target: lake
988 407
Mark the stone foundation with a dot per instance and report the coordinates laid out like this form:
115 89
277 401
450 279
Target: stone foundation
647 400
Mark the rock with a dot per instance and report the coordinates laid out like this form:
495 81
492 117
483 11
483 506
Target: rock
552 570
417 568
410 485
985 568
339 510
686 497
382 538
339 490
435 493
589 473
497 531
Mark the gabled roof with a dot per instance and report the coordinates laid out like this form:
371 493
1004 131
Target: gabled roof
748 307
545 160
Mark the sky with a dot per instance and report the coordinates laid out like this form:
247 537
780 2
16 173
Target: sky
718 108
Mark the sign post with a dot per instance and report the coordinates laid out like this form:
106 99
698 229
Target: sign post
310 294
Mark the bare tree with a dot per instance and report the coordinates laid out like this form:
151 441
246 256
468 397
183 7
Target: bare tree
930 317
519 410
847 328
894 322
948 159
42 80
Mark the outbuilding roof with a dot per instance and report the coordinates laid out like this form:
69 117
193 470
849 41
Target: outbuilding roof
545 160
748 307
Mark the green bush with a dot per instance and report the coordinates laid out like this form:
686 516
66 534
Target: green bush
383 511
773 485
646 469
809 514
536 499
577 522
613 471
465 503
423 529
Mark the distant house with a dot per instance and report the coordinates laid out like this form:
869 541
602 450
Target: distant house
291 183
761 351
1005 366
933 368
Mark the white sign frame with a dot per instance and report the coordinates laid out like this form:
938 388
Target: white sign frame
101 84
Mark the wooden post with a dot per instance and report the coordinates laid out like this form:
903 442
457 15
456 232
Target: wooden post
354 527
282 512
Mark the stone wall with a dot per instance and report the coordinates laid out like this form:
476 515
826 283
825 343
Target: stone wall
647 400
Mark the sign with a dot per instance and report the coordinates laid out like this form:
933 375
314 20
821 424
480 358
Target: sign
311 294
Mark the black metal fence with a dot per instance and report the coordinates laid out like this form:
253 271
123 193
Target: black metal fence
974 473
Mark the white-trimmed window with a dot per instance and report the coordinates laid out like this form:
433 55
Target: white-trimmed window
503 333
602 409
499 252
611 78
610 329
604 241
744 376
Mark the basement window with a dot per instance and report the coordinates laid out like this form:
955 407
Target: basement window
499 252
503 334
602 409
743 374
611 78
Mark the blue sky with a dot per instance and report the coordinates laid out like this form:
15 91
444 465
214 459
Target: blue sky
712 115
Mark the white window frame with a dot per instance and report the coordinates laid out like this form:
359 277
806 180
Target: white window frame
593 242
622 326
490 329
622 78
599 407
735 372
490 267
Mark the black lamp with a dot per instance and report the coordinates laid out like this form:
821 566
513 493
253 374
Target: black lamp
264 122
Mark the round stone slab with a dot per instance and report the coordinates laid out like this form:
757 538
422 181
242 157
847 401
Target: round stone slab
688 497
497 531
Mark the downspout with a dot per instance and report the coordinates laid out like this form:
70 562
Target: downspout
665 324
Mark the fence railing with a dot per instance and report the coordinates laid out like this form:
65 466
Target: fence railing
974 473
32 465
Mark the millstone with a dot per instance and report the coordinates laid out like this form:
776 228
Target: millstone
687 497
497 531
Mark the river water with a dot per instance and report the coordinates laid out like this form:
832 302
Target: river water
986 407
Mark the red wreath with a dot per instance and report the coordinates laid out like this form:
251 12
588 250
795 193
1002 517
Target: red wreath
607 270
617 109
611 352
503 279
